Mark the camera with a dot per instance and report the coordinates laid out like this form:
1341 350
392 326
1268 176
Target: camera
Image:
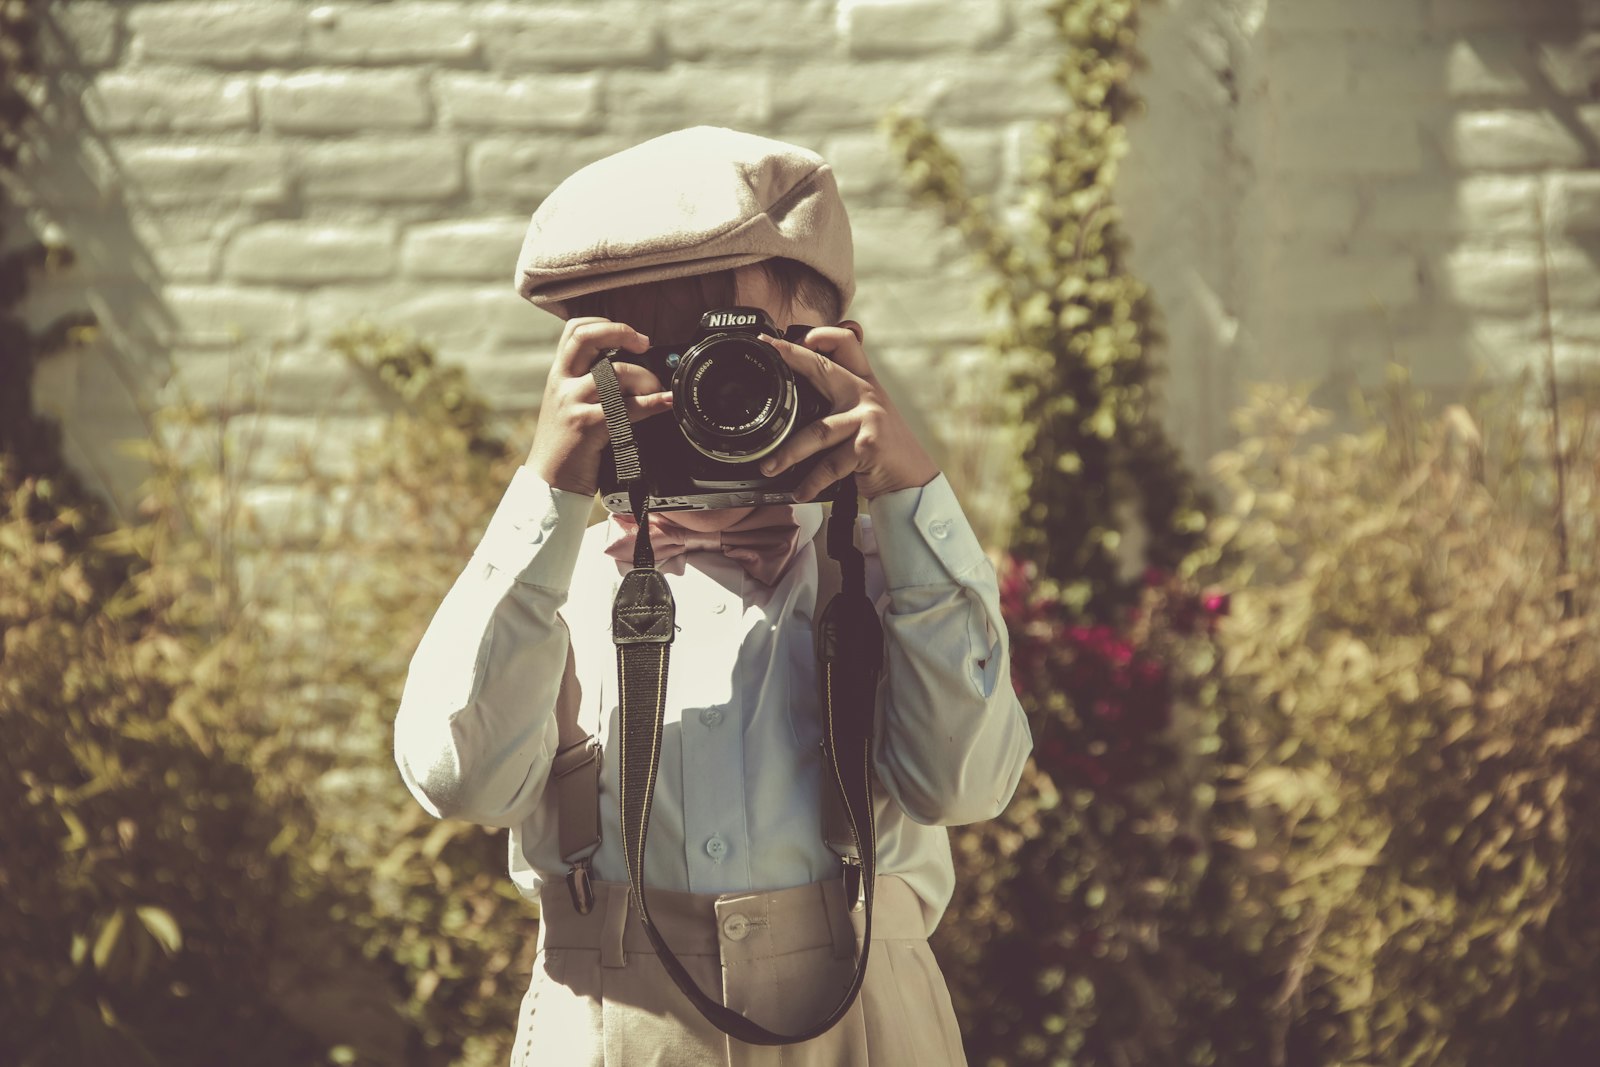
734 401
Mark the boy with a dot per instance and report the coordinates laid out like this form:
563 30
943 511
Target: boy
519 660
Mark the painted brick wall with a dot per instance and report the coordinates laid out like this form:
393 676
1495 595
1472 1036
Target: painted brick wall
1319 185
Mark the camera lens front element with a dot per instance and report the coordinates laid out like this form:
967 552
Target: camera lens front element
734 398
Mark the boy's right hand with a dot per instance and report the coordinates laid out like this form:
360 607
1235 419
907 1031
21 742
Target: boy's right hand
571 433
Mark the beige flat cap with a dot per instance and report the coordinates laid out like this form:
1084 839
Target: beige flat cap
688 202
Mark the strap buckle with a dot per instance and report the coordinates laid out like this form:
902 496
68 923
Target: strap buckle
854 883
580 884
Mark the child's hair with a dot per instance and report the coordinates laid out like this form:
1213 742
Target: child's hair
670 310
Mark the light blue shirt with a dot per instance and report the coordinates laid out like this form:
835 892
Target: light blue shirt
736 799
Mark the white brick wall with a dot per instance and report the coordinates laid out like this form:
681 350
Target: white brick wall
1317 185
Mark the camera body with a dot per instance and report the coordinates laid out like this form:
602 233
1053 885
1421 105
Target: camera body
734 401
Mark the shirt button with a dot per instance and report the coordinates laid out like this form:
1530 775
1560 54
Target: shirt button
718 609
736 926
716 847
940 528
711 717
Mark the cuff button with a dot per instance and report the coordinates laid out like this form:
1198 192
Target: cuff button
940 528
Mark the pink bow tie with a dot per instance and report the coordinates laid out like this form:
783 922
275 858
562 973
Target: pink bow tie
764 541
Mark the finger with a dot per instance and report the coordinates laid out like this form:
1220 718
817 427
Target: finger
647 405
834 464
583 346
826 432
837 384
842 345
636 380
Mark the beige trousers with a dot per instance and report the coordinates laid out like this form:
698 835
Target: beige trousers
599 994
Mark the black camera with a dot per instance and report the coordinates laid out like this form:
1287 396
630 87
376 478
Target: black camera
734 401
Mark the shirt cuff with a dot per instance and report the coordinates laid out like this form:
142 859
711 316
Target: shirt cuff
536 531
923 535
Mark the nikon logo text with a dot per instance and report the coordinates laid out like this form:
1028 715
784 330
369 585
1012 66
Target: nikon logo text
730 318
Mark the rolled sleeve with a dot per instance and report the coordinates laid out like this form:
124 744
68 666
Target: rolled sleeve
535 532
923 536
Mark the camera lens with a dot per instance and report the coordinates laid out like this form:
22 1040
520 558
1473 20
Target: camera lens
735 398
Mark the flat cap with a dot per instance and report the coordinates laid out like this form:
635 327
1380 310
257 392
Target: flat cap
688 202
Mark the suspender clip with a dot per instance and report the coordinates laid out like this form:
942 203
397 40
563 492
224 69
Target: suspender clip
581 886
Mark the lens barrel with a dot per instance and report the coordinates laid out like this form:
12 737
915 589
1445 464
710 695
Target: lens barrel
734 397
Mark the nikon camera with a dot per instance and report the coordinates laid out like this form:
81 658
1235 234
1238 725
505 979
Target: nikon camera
734 401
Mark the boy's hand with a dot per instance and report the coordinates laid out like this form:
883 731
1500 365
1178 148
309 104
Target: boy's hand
865 435
571 433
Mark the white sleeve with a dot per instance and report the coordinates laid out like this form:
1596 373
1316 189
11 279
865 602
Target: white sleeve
476 728
953 738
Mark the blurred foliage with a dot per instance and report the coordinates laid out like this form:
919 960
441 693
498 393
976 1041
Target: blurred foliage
1334 816
210 855
1080 930
1077 330
1413 664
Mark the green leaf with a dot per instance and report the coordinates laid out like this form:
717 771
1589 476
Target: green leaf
162 926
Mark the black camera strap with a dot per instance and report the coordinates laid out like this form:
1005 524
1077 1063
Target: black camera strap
849 652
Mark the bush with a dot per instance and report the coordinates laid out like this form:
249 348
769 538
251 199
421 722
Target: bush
210 854
1413 661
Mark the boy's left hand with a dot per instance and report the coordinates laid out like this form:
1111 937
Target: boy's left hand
865 436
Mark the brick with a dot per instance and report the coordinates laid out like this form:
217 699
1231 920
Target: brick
514 384
1351 140
218 34
471 248
654 102
521 173
1572 202
215 315
1574 282
790 32
831 96
285 379
1374 17
310 253
269 448
899 241
1481 204
454 317
901 27
155 100
182 244
1571 63
180 174
995 90
382 170
1495 14
937 310
472 100
1480 66
570 37
290 515
391 33
1491 279
1320 208
88 33
1307 68
306 380
1342 283
1447 350
344 101
1511 140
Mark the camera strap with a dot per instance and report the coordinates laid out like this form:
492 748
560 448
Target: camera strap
849 655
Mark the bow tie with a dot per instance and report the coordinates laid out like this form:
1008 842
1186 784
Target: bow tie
765 541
